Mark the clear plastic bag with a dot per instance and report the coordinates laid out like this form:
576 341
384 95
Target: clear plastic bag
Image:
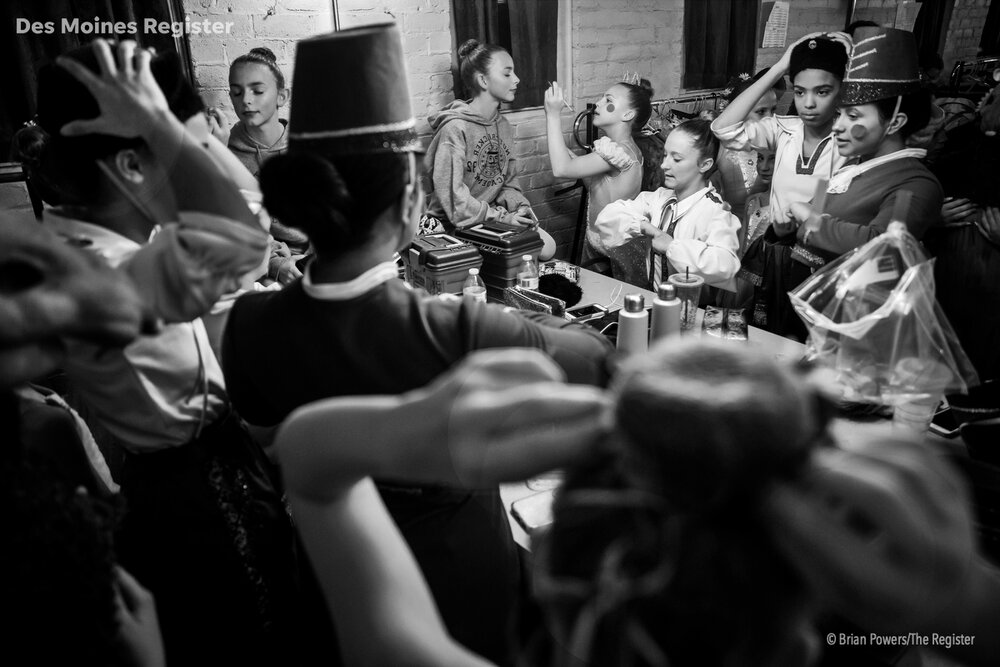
872 316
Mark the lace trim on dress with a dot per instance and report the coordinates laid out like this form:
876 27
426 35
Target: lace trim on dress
615 154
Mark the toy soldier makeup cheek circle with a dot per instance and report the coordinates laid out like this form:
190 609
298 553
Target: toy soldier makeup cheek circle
611 107
858 132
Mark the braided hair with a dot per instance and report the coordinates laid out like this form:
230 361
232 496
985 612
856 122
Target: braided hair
658 554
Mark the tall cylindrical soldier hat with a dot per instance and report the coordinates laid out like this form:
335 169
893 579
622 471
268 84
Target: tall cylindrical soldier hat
357 98
883 64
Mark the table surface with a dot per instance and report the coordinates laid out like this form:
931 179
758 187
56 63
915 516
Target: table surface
611 293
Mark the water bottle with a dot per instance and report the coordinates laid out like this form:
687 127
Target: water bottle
474 286
633 325
527 273
666 317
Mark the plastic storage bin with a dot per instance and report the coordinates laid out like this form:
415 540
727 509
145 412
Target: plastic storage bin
502 250
440 263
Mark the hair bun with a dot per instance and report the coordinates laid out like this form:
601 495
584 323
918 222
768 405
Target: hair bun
28 145
467 47
709 424
646 86
265 53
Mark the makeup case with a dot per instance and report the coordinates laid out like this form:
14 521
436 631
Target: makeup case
502 249
440 263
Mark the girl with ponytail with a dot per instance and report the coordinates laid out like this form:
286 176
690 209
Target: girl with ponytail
470 160
613 170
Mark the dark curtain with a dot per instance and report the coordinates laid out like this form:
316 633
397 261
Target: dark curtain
533 37
930 23
22 55
719 41
526 28
989 44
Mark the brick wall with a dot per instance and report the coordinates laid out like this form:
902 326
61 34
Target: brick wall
964 32
607 37
961 35
882 12
610 36
276 24
806 16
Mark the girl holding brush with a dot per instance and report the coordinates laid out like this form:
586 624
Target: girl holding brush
613 170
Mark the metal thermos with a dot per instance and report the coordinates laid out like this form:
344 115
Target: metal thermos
633 325
666 317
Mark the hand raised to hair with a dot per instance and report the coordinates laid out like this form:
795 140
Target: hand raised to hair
845 39
500 415
128 96
512 417
842 37
786 58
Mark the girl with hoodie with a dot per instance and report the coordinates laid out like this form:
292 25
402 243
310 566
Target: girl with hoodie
257 89
471 157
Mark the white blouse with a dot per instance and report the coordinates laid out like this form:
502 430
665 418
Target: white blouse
706 237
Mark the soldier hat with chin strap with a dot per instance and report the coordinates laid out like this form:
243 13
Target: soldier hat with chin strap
883 64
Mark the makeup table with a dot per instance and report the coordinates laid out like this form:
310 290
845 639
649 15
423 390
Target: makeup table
610 293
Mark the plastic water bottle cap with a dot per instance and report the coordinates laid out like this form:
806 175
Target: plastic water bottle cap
473 272
634 303
526 258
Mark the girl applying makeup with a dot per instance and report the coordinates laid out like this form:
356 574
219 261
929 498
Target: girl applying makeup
614 169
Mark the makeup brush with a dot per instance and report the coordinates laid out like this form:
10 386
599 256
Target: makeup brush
565 103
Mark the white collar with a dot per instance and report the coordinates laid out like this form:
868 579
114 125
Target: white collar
841 180
686 204
353 288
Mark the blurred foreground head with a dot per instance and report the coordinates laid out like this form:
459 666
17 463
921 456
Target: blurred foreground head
658 554
51 290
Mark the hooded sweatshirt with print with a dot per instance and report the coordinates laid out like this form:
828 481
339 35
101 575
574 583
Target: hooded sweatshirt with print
253 155
471 164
